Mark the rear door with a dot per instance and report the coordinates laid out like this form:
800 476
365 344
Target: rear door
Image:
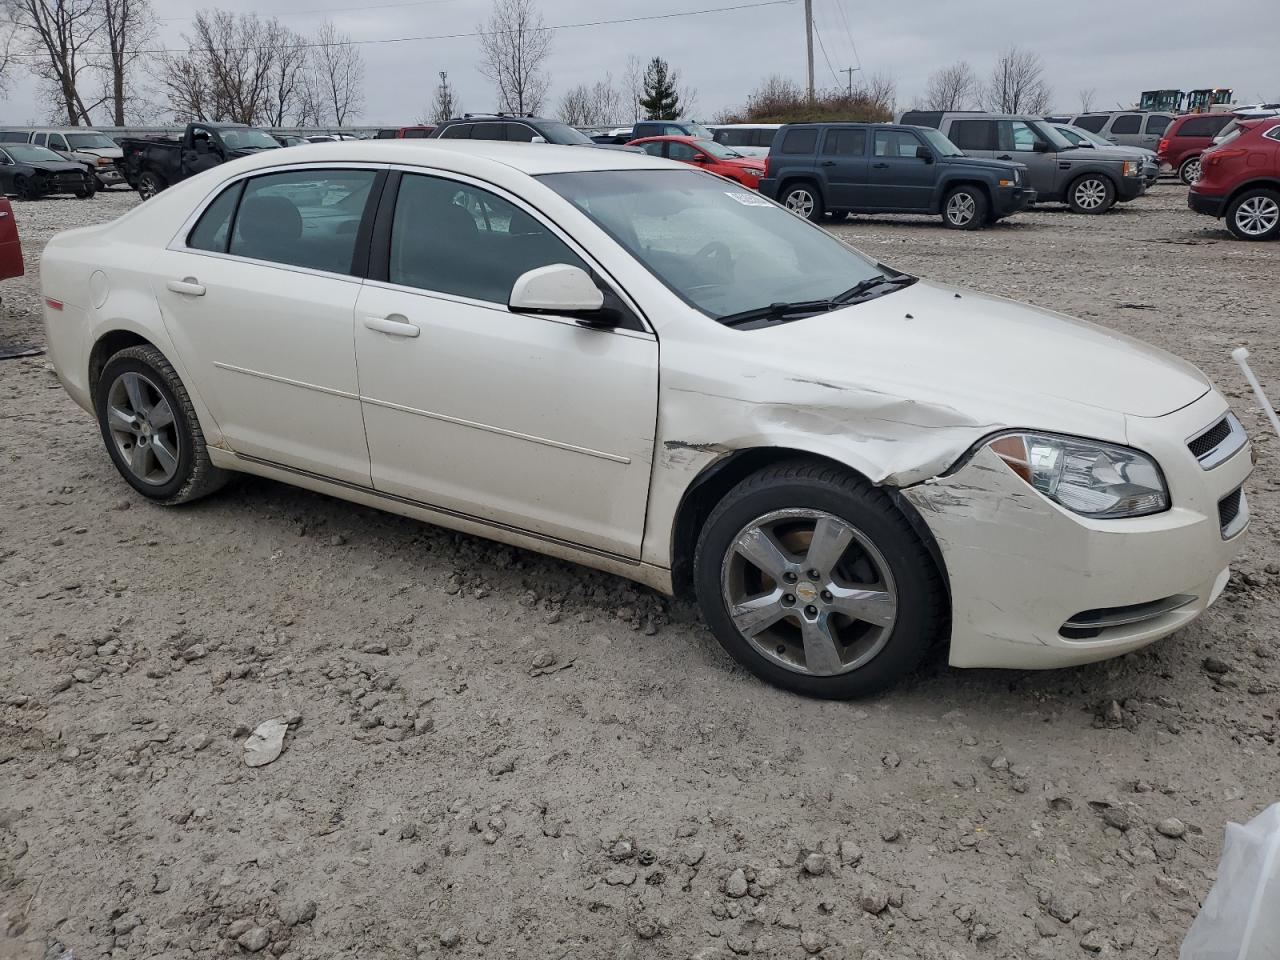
1125 129
1018 140
897 178
1153 129
844 158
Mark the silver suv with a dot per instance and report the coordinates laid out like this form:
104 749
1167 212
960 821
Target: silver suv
1126 128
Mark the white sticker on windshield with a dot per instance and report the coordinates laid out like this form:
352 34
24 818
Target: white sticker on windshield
747 199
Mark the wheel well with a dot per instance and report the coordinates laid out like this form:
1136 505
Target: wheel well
710 487
1262 184
108 345
1100 174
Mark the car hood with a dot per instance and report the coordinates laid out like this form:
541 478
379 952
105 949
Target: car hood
111 153
1119 152
611 146
751 163
993 360
983 163
54 166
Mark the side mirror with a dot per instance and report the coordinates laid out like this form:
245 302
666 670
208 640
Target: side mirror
699 158
561 289
924 153
1041 147
538 139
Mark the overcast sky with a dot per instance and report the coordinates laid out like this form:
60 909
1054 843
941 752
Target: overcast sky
1117 49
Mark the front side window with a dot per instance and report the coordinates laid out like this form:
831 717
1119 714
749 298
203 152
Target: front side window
720 248
302 218
894 143
489 131
40 138
653 148
972 134
681 151
847 143
457 131
56 142
1091 123
1127 123
1016 135
520 132
800 141
454 238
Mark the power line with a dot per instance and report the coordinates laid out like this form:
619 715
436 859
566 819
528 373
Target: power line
291 13
848 33
470 34
823 47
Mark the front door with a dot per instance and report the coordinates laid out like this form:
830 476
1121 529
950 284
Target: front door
898 179
531 422
260 301
844 162
1021 142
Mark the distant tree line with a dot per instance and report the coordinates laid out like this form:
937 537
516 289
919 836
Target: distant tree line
1016 84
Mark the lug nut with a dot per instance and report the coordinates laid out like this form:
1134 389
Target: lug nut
789 577
811 611
814 575
788 599
826 596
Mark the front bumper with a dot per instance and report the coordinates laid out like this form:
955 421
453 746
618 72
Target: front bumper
1204 203
1131 188
1021 567
1007 200
109 176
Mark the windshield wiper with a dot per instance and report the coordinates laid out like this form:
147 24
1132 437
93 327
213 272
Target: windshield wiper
866 286
776 311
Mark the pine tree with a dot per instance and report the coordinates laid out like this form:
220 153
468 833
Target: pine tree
660 100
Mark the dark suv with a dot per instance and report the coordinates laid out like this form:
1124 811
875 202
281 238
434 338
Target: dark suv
518 128
886 168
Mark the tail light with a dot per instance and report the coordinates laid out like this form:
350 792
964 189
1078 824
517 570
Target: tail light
766 167
1215 157
1164 145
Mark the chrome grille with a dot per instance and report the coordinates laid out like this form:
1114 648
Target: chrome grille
1218 443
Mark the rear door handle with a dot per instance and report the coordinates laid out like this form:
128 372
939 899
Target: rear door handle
879 166
188 286
828 163
395 325
1004 156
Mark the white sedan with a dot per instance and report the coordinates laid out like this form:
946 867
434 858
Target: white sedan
640 367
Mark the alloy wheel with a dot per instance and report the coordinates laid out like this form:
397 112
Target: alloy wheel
800 202
1090 194
1257 216
143 428
1191 171
961 209
809 591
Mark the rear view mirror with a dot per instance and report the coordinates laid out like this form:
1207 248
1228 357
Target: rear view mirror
560 289
924 153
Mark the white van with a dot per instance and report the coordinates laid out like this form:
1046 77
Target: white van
749 139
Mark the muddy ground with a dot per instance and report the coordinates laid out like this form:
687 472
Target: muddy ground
438 796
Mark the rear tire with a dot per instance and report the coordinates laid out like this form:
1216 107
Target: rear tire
1189 172
804 200
844 551
1254 215
149 184
1091 193
150 428
964 208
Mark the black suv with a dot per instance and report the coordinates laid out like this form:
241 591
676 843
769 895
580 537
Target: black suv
889 168
515 127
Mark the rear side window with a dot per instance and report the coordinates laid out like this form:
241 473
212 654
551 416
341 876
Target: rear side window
845 143
1273 133
762 138
13 136
1093 124
1156 124
734 138
40 139
972 134
520 132
1127 123
457 131
800 141
489 131
303 218
213 230
458 239
416 134
1202 126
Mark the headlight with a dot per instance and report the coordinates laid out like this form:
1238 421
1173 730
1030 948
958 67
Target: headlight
1088 477
1132 168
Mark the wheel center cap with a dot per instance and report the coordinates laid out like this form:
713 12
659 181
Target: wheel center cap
806 591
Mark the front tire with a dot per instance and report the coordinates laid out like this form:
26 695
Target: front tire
1189 172
964 208
1091 193
149 184
804 200
1255 215
150 428
26 188
814 581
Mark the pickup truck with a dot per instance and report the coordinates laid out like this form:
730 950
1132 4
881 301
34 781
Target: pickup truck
152 165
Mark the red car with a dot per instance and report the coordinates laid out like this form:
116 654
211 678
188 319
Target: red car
707 154
419 132
1240 180
1186 138
10 245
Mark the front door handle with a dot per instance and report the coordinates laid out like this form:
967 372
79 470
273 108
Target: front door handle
395 325
828 163
1004 156
879 166
189 286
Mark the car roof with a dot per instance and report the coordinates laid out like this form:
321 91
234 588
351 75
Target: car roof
464 156
681 137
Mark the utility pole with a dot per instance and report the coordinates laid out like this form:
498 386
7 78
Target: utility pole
808 41
849 71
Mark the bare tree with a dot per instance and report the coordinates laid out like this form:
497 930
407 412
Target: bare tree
882 89
951 88
341 73
60 36
1017 84
575 106
514 44
288 88
1087 97
445 103
591 106
633 88
228 71
127 27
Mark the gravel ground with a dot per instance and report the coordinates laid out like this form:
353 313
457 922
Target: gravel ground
490 753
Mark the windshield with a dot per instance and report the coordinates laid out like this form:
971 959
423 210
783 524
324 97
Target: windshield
719 150
719 247
247 138
29 153
699 131
1229 132
90 141
1047 131
941 145
556 132
1085 135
